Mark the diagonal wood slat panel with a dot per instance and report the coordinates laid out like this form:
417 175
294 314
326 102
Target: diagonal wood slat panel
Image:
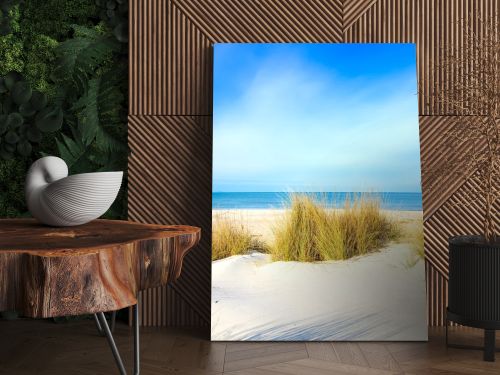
171 164
266 21
459 215
353 9
431 128
189 67
452 218
436 189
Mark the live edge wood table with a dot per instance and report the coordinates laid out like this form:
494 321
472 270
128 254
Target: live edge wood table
89 269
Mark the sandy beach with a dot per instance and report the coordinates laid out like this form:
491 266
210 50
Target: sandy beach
373 297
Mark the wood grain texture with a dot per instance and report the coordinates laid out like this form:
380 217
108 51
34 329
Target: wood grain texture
173 184
148 50
170 75
264 21
352 10
437 295
431 155
99 266
40 347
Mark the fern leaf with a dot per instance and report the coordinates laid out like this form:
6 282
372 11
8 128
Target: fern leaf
98 114
71 151
80 56
88 112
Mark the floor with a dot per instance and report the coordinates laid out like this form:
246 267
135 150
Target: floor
43 347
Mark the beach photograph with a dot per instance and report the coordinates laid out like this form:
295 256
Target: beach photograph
317 225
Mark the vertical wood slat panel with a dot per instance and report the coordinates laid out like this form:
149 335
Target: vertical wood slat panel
148 56
437 296
189 68
170 74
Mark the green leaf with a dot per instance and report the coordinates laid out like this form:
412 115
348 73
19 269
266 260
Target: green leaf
24 148
3 123
3 88
73 152
14 120
38 100
49 119
9 147
33 134
21 92
8 105
27 109
98 114
120 31
5 29
11 137
5 155
80 56
11 78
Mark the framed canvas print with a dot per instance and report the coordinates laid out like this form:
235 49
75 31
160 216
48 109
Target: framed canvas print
317 208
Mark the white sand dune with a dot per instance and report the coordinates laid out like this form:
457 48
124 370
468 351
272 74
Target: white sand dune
374 297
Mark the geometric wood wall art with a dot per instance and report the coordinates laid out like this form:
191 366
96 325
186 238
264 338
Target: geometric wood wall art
170 114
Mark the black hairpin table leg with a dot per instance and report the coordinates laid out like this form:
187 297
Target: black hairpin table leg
113 323
102 324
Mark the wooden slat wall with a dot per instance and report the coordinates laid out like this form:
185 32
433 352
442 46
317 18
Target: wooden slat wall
171 166
171 108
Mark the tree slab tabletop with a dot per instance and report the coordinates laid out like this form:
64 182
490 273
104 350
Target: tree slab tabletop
100 266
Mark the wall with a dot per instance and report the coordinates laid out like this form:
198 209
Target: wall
170 115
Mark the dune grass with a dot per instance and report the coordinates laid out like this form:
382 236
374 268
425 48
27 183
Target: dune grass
311 231
416 241
230 238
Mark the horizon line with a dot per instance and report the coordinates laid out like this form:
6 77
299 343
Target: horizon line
247 192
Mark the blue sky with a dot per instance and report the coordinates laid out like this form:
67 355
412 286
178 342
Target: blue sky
315 117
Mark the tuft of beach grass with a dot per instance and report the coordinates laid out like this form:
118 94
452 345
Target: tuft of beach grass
311 231
416 240
231 238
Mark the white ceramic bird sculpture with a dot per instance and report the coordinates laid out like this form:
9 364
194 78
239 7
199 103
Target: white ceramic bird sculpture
56 199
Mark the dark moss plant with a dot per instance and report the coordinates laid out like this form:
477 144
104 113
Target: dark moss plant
24 116
115 14
72 57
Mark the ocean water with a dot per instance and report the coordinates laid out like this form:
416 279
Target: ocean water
389 200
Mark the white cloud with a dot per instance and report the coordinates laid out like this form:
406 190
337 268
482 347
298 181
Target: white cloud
301 128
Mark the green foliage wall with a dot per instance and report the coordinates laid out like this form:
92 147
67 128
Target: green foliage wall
63 91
